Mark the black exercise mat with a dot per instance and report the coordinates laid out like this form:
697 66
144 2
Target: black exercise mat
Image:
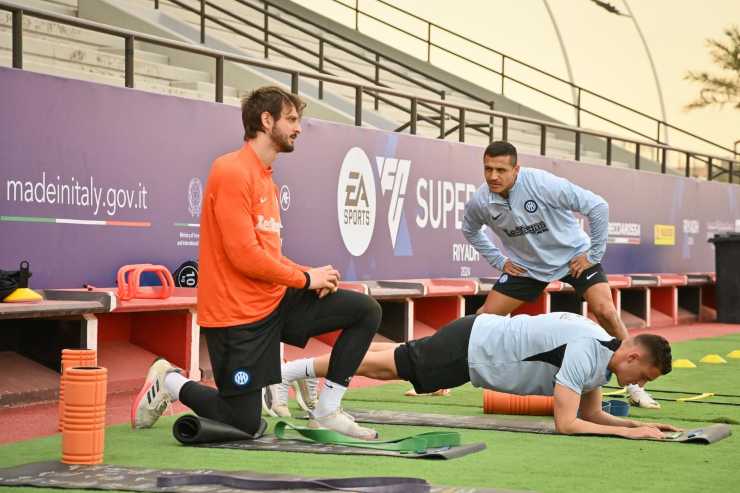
202 432
706 435
192 430
110 477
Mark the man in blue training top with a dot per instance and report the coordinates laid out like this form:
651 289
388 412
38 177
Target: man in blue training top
560 354
531 212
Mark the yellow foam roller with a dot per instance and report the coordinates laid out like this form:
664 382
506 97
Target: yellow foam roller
683 363
714 359
734 354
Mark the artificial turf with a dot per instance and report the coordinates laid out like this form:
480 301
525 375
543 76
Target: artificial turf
519 461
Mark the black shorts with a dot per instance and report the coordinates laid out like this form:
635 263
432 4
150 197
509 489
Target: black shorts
439 361
246 357
528 289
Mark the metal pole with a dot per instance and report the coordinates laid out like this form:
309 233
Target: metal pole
558 35
377 77
504 128
321 67
608 151
358 106
202 22
461 128
156 4
543 139
709 169
265 31
578 145
294 82
663 160
442 115
578 108
652 66
219 79
637 156
17 39
129 61
503 73
732 172
413 116
688 165
490 123
357 15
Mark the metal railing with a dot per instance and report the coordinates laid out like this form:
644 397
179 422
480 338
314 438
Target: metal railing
379 63
431 27
717 166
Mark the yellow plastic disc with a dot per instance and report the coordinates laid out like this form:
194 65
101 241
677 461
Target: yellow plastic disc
714 359
683 363
734 354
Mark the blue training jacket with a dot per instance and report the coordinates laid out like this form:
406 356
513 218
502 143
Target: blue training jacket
536 224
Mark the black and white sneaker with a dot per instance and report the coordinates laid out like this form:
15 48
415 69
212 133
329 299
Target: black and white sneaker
153 399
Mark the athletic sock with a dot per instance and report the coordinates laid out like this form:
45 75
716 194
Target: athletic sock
173 382
330 399
298 369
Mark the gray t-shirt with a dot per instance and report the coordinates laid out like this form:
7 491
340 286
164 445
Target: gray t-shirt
528 355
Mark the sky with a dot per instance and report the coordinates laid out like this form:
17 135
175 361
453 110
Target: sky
605 53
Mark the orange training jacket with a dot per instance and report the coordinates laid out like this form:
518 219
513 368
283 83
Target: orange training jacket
242 273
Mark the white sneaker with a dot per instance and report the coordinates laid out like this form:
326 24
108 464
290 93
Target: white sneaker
342 423
307 393
153 399
275 400
639 397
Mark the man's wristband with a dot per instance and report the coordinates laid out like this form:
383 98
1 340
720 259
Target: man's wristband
308 280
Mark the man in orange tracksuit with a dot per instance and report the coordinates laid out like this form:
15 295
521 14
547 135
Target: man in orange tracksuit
251 297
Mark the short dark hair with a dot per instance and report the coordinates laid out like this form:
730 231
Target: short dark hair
658 349
271 99
501 148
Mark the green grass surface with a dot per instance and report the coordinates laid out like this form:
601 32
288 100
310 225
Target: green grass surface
518 461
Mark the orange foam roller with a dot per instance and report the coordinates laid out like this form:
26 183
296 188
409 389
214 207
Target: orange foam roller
71 358
503 403
83 439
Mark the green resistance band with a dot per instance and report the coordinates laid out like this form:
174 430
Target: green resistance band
415 444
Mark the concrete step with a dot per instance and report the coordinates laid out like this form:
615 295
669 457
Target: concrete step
205 87
33 64
56 30
68 7
140 54
102 60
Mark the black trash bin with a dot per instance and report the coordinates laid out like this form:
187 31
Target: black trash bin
727 266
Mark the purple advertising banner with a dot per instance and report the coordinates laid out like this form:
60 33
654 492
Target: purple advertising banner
94 177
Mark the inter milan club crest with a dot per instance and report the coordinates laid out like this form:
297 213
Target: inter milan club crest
195 197
530 206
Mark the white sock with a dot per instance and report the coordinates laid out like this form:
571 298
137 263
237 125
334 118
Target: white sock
330 398
298 369
633 387
173 382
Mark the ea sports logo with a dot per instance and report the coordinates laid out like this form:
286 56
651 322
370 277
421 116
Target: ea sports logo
356 201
